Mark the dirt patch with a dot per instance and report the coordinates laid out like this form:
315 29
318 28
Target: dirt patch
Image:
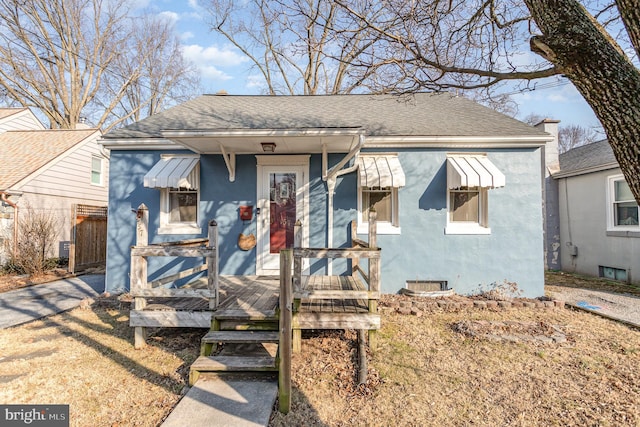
511 331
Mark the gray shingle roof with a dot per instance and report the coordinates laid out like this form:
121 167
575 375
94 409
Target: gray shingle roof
590 156
423 114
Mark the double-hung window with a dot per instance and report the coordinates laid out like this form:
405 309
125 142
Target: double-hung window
380 177
96 170
622 207
469 177
178 179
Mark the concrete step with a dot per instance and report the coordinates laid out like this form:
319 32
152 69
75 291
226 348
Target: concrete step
248 336
239 400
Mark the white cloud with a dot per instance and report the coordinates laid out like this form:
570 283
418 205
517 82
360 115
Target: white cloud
187 35
193 4
212 73
171 17
213 55
210 59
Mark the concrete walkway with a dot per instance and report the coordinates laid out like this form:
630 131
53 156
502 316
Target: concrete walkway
37 301
233 400
621 307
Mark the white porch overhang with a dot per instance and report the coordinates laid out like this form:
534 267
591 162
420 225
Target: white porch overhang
173 172
377 171
473 170
248 141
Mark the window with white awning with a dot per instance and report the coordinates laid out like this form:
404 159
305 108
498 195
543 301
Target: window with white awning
174 172
380 177
469 176
178 179
473 170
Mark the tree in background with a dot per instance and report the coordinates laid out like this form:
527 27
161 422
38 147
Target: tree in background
89 58
572 136
569 136
442 44
305 47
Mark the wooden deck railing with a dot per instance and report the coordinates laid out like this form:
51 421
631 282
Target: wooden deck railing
292 290
141 288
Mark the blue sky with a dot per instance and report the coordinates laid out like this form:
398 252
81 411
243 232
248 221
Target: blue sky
223 67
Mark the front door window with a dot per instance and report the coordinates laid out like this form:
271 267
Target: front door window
282 210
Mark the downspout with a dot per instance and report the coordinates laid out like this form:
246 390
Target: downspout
330 176
3 197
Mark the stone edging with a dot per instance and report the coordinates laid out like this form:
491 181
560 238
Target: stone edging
418 306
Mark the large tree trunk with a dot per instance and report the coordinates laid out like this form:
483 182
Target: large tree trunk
582 50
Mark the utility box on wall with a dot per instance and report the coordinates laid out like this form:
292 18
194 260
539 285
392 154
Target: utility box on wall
246 213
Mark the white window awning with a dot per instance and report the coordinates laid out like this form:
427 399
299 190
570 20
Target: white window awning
473 170
380 171
173 172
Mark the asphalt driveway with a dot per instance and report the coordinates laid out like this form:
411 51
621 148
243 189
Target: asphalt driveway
33 302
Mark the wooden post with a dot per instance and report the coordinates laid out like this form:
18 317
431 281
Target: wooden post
285 346
297 283
354 234
72 240
138 273
297 261
212 266
374 272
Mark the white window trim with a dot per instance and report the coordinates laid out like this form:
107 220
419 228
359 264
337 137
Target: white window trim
382 227
167 227
101 183
611 191
480 228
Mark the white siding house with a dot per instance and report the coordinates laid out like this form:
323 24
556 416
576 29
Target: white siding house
48 170
600 234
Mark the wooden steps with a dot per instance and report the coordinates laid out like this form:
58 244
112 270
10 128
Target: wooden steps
239 341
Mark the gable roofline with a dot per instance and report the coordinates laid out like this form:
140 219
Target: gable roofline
10 114
589 158
14 182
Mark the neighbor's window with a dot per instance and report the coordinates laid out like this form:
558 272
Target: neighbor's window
623 213
385 202
96 170
467 211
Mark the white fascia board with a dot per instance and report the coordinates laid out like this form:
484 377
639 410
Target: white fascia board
584 171
139 144
456 141
244 133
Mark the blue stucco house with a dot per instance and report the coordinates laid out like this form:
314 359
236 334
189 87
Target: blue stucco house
458 188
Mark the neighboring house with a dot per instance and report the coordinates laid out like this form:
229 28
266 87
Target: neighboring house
47 170
600 235
457 187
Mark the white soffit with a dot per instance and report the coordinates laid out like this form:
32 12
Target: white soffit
380 171
173 172
473 171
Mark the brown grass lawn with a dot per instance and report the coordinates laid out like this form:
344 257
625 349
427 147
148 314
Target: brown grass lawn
423 373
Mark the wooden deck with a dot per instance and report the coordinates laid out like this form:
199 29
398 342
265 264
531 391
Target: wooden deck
256 298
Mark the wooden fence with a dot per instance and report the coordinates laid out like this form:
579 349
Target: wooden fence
88 237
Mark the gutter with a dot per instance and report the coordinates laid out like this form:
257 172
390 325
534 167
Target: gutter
330 177
4 197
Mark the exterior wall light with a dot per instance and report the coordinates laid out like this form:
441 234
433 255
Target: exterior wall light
268 147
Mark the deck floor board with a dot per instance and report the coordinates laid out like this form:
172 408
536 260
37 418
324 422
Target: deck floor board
258 296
